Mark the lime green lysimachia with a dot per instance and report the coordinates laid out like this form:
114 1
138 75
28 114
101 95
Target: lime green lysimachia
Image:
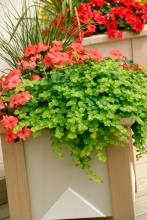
83 105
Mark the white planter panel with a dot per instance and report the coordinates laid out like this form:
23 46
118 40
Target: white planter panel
134 46
52 180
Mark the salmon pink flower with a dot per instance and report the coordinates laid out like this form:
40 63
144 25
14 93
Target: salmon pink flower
35 58
20 99
42 47
2 105
36 77
30 50
24 133
96 55
28 64
117 55
56 59
12 80
9 122
57 47
10 136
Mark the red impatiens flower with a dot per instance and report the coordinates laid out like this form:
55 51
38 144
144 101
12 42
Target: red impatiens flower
24 133
97 3
10 136
90 30
12 80
85 14
98 17
9 122
119 14
20 99
2 105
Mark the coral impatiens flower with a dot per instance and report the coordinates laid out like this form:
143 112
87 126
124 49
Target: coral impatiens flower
56 59
24 134
117 55
2 105
96 55
36 77
28 64
9 122
12 80
42 47
30 50
10 136
20 99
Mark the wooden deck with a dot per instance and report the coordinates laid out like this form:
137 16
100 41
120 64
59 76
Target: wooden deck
141 195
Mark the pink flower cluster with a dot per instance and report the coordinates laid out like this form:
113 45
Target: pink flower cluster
122 15
8 124
12 80
54 56
49 56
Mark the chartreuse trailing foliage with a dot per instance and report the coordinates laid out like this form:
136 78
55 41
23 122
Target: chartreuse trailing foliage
82 105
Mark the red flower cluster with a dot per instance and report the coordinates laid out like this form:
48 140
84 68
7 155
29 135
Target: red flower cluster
112 16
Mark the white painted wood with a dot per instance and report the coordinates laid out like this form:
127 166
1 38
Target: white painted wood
105 47
139 46
141 195
103 38
134 46
142 217
49 178
71 205
141 205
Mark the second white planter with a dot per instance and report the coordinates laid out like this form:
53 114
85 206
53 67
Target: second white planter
133 46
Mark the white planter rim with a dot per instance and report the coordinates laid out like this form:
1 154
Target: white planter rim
103 38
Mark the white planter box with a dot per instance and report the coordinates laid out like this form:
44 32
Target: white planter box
59 190
134 46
